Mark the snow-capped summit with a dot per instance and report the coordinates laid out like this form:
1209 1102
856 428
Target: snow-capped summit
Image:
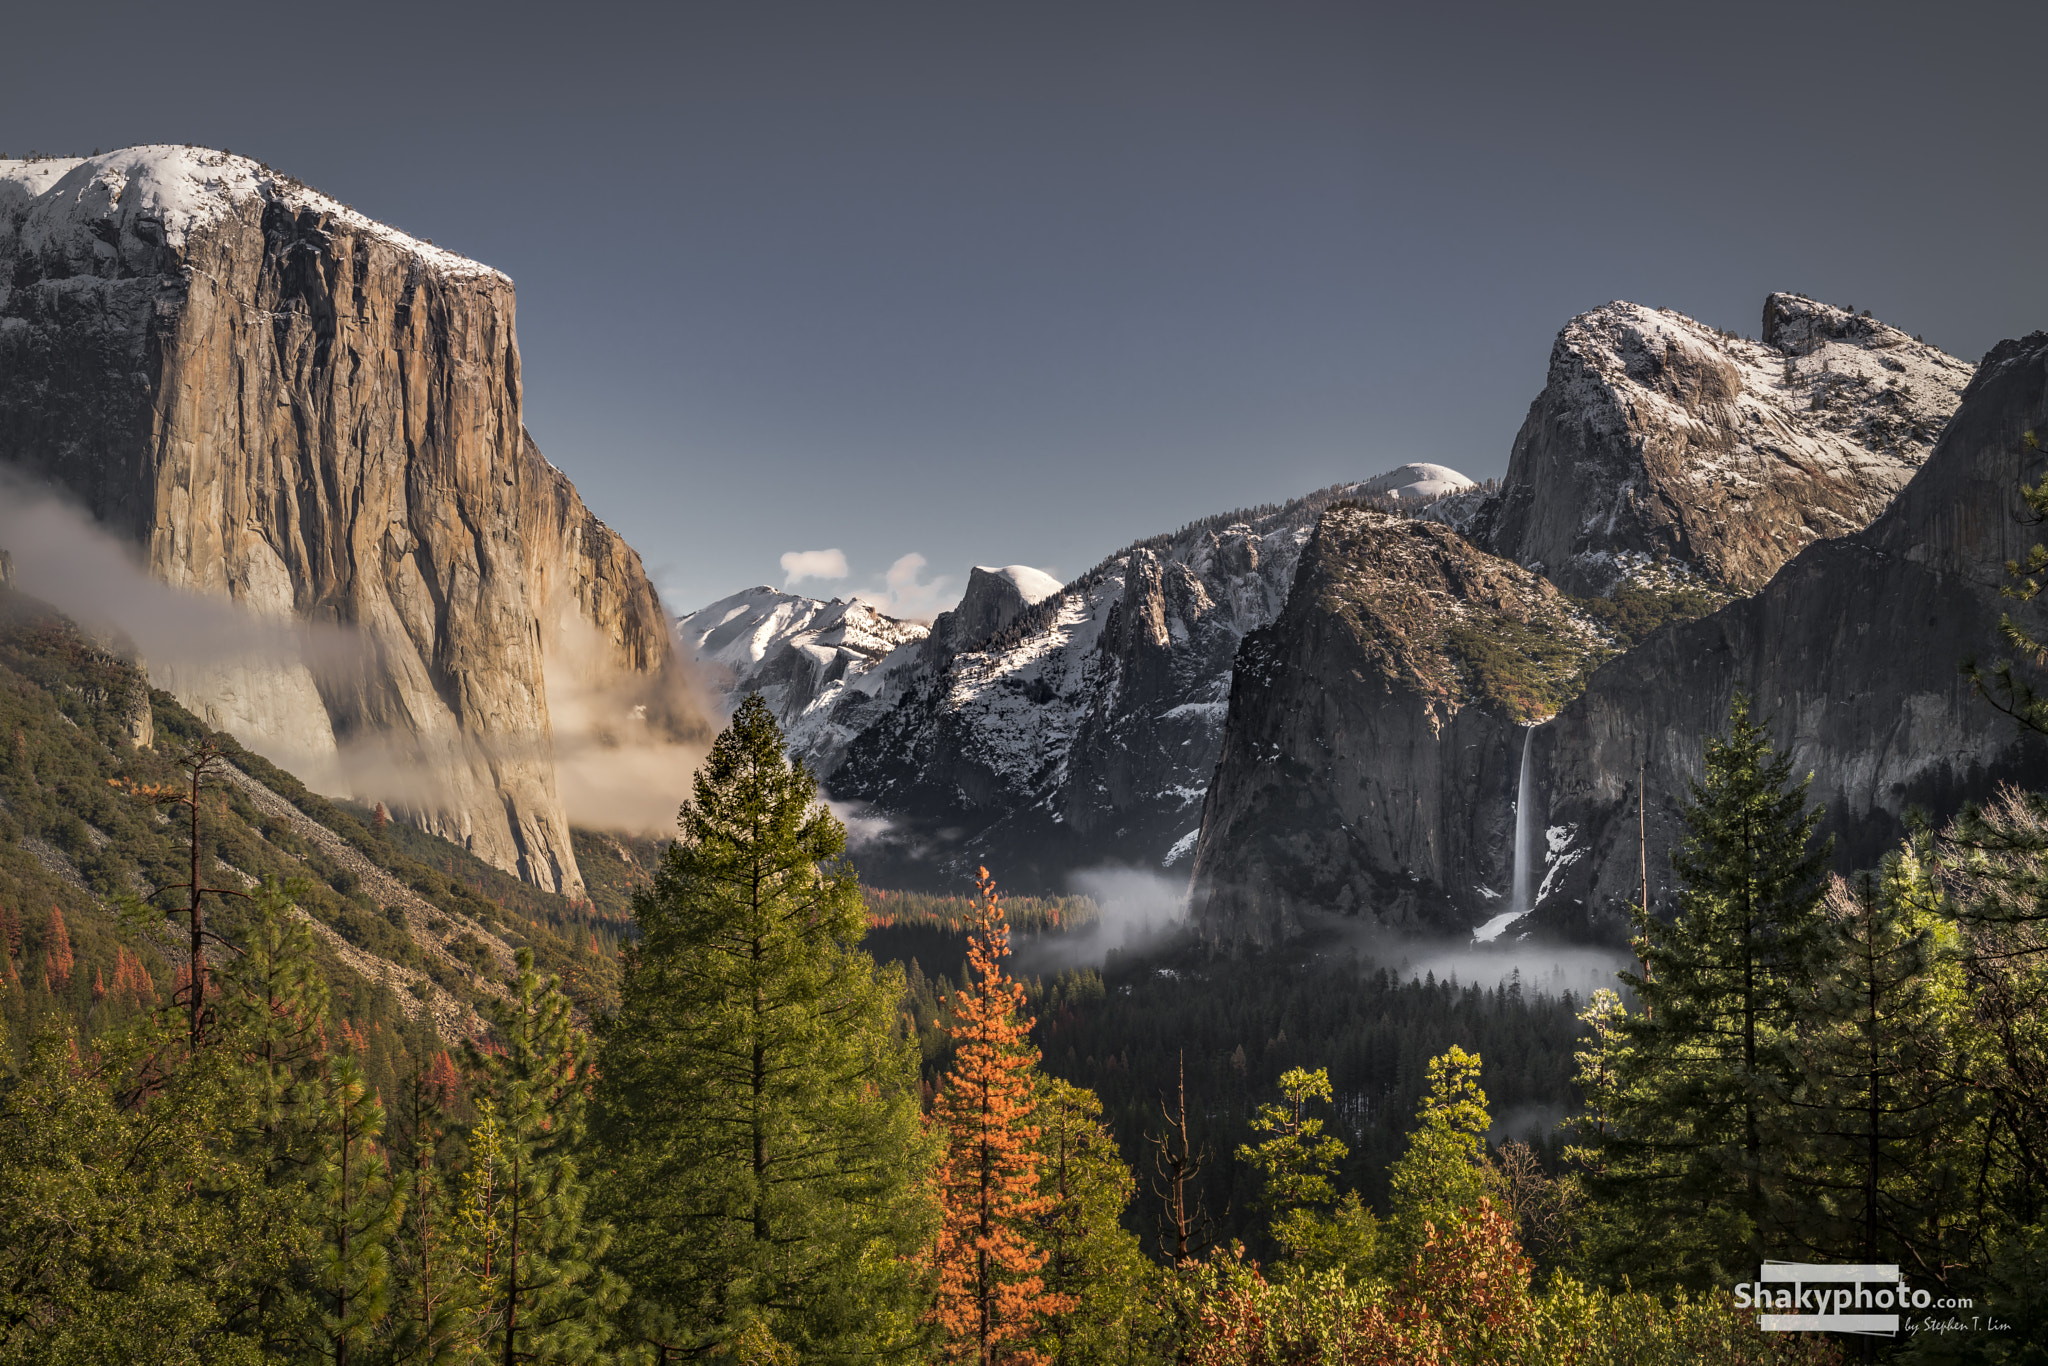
1419 483
125 204
801 654
994 599
1662 441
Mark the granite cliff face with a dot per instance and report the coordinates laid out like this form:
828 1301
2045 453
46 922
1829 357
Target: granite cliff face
1376 731
285 404
1662 459
1850 654
1659 439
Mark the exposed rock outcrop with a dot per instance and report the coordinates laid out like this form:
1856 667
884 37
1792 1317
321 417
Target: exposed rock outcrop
1658 438
1042 735
1850 654
1375 733
1664 458
291 406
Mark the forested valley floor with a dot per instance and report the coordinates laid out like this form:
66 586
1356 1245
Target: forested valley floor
398 1107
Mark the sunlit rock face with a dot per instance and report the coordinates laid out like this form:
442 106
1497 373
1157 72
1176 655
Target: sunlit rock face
1660 439
1849 653
286 404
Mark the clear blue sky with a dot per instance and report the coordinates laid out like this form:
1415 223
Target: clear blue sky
1022 282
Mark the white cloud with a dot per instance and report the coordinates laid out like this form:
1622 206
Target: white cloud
906 594
798 565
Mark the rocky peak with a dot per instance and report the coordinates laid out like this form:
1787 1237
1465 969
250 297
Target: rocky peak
994 600
1659 441
805 657
1086 728
1369 723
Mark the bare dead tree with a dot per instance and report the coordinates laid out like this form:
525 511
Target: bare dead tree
1175 1165
203 765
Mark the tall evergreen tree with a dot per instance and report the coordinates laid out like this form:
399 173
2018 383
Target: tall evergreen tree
428 1303
1315 1228
1092 1260
1443 1175
1881 1120
356 1210
758 1107
993 1300
546 1297
1702 1076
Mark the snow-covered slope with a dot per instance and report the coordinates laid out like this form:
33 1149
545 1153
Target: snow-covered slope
1419 483
1086 729
804 656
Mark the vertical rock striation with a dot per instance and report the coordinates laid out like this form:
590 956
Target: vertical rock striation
286 404
1850 653
1376 733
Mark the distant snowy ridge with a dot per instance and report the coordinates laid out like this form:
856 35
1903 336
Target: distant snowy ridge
1418 483
1083 728
802 655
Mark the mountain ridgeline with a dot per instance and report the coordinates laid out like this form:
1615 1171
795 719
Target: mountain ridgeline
1038 727
1322 707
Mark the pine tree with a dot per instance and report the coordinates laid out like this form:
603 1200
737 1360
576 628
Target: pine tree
548 1299
1091 1259
1315 1228
758 1108
1883 1121
429 1308
356 1211
1443 1176
993 1301
1692 1160
276 1003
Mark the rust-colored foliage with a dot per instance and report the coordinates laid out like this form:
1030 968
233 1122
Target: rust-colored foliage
1467 1298
992 1296
131 979
57 957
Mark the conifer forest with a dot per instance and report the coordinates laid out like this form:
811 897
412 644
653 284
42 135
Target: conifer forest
715 1127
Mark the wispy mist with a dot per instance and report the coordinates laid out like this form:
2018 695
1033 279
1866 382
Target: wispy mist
255 670
1141 911
1547 968
623 745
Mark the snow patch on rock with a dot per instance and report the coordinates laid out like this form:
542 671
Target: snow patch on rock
162 193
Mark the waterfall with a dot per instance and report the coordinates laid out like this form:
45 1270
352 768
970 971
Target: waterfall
1522 899
1522 886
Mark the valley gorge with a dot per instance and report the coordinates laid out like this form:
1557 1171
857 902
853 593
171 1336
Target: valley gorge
1313 707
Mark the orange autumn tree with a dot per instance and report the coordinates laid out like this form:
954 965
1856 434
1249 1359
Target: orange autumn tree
992 1295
